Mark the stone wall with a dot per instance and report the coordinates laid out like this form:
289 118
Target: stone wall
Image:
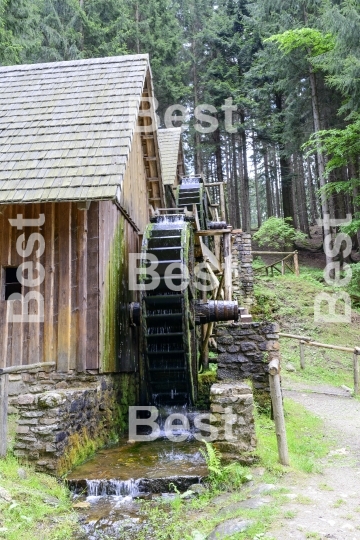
242 270
244 351
65 417
232 407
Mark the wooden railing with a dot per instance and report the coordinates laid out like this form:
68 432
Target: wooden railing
4 393
304 340
283 262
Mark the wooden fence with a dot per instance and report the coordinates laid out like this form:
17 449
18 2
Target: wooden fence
4 392
284 262
304 340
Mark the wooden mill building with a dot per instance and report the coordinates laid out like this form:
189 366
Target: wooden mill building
76 147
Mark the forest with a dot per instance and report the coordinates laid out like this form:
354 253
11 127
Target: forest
290 68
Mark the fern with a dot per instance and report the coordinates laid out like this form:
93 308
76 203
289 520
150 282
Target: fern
213 459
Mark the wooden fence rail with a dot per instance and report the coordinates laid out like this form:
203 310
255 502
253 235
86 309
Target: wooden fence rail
4 392
305 340
283 262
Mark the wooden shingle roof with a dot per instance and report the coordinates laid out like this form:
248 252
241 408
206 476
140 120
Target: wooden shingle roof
66 128
169 145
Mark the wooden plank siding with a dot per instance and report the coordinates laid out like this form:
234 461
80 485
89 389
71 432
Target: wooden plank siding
70 332
86 286
85 290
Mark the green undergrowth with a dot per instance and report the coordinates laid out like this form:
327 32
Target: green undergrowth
193 519
205 381
305 436
289 300
33 505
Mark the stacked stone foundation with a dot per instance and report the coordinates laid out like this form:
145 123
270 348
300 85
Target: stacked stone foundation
244 352
232 408
64 418
242 270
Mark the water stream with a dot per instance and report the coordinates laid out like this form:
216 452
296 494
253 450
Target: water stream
109 488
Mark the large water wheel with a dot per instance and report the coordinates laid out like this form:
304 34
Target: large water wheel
168 313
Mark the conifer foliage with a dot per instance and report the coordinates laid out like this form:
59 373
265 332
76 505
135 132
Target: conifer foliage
288 71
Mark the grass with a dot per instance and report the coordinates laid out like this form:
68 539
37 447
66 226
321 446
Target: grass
305 437
290 301
40 506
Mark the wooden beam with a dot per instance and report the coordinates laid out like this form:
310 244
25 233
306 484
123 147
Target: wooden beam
274 253
212 184
4 390
29 367
207 254
213 232
65 289
82 250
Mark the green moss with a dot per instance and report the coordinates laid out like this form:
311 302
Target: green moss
80 447
110 316
128 398
205 381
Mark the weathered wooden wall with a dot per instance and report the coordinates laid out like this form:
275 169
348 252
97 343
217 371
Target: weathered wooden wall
69 333
86 290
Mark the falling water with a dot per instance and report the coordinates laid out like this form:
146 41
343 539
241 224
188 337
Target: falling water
101 488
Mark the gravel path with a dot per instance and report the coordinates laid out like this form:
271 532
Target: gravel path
326 505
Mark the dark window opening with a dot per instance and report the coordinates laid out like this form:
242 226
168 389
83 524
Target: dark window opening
12 284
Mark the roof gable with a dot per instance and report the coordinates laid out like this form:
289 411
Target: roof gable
66 128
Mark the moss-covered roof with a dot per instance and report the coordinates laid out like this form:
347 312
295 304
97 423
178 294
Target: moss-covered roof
66 128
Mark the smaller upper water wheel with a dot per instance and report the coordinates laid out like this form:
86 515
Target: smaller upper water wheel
190 192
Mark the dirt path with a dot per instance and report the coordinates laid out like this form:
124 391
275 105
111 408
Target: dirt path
326 505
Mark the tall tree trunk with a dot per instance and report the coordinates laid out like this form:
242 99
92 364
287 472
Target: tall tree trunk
246 190
294 195
236 200
256 184
218 155
269 205
274 173
137 20
285 172
302 197
313 202
320 157
197 136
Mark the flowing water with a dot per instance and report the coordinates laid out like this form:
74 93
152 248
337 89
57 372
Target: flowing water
109 488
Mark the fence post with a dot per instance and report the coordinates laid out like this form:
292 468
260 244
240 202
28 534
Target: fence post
277 403
356 370
4 388
302 354
296 263
283 267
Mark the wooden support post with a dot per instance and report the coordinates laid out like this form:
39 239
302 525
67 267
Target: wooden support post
283 268
302 354
222 202
227 267
4 388
277 403
356 371
296 263
205 347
